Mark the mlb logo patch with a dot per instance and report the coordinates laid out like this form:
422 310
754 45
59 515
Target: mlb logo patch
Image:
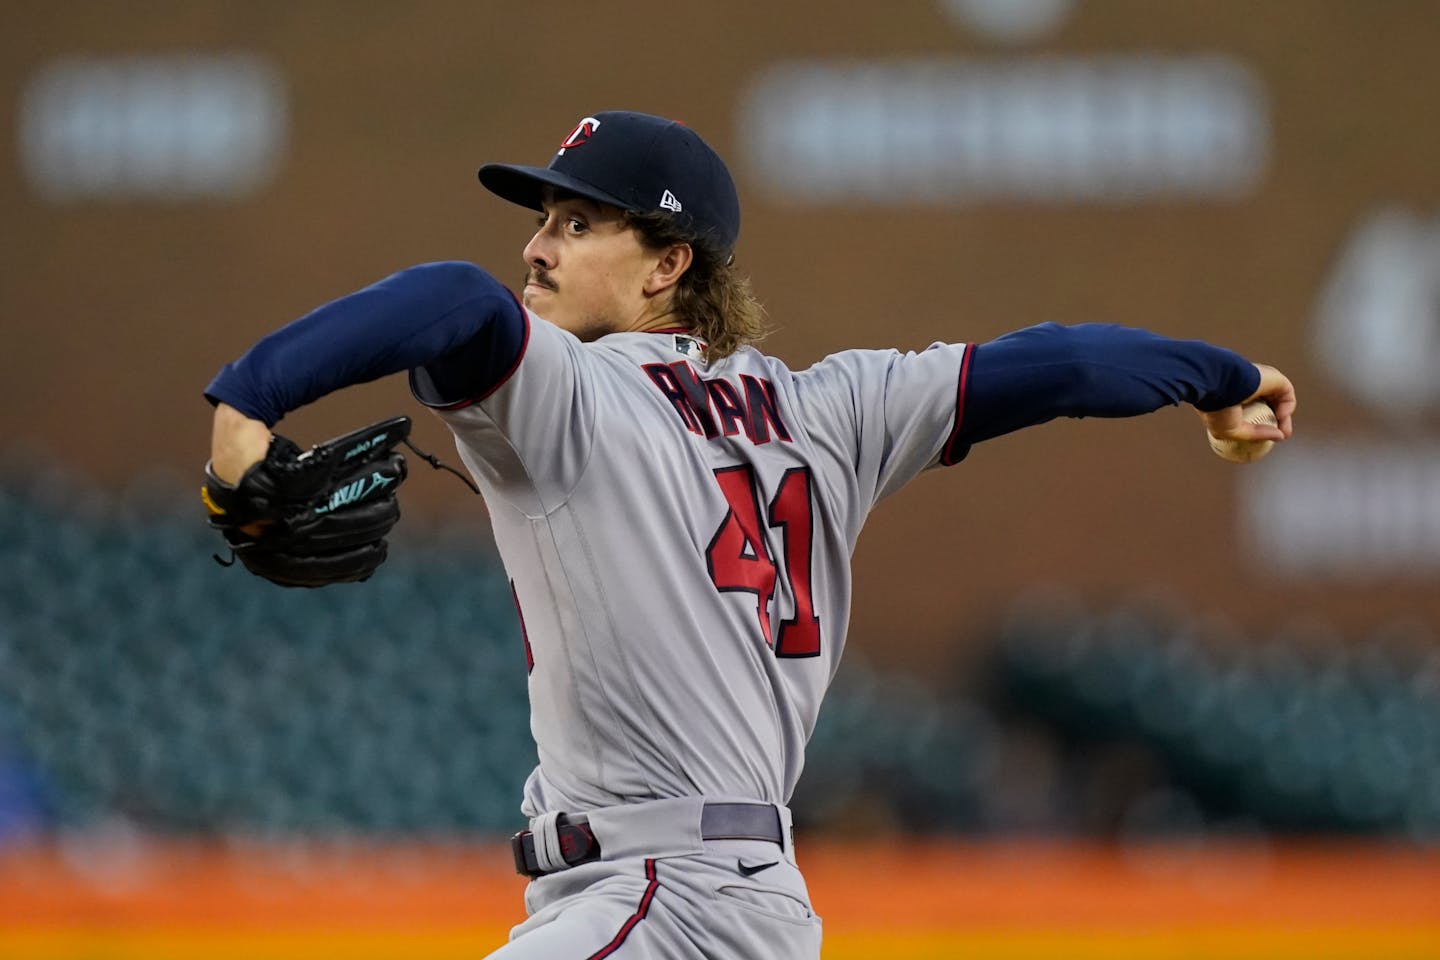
690 348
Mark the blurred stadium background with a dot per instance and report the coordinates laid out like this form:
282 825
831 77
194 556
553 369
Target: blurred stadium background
1105 695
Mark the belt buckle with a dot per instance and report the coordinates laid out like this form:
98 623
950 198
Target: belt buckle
517 847
577 845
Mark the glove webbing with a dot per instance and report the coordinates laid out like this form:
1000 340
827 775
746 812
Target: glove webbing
429 458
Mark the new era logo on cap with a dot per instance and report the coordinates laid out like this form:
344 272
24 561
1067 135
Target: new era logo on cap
637 162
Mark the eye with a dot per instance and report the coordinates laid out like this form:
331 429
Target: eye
576 225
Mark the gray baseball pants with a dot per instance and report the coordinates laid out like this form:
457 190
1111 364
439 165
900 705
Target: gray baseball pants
663 893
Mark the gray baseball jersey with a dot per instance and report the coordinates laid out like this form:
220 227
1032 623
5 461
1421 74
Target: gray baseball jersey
678 535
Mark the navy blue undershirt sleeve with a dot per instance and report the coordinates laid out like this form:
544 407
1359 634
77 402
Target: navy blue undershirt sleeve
451 318
1034 375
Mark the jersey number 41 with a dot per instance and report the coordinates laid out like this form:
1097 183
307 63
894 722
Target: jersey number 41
740 561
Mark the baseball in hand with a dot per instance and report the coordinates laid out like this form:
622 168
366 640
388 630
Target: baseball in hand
1244 451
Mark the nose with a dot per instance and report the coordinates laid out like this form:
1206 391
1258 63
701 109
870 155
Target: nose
540 251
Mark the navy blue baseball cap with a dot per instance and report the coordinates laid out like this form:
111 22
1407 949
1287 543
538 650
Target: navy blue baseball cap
636 162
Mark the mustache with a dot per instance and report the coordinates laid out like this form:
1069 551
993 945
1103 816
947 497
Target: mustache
539 277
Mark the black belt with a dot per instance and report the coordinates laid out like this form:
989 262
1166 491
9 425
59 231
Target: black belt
718 821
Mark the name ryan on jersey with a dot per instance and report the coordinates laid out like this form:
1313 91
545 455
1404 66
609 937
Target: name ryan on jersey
710 408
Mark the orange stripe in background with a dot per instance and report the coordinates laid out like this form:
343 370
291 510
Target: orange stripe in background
1240 943
954 884
242 886
918 899
1231 944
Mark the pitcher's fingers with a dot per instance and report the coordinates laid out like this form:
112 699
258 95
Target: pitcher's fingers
1279 393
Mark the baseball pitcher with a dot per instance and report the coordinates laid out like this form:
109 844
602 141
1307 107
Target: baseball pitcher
675 510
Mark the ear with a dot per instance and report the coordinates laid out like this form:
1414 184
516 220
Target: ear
669 268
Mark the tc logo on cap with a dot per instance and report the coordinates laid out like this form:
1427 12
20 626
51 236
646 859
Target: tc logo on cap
583 131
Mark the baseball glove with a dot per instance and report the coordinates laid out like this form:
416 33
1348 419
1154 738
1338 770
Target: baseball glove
307 519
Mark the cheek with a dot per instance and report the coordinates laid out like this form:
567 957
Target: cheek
631 273
612 281
621 283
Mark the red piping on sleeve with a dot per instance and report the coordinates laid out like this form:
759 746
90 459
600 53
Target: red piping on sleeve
524 345
947 458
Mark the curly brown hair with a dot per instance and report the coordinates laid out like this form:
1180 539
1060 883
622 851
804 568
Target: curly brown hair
712 297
